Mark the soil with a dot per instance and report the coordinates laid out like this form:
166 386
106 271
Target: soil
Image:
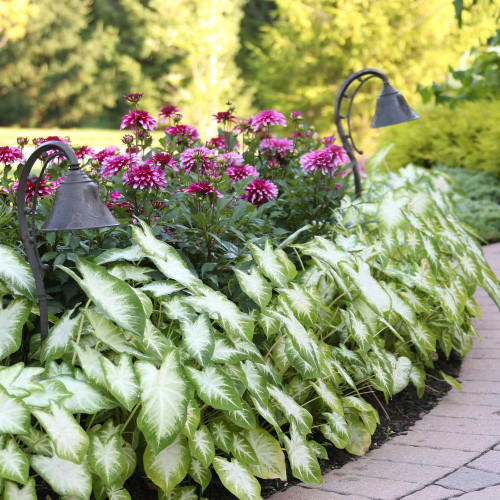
396 417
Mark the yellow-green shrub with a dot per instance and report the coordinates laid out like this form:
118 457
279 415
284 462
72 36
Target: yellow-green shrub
466 135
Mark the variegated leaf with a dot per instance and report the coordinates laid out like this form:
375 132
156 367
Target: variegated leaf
294 413
183 493
200 474
50 390
60 337
401 374
198 339
244 417
222 310
64 477
222 435
202 447
358 329
255 286
272 264
165 394
242 450
215 388
165 257
303 302
257 385
271 459
155 344
12 319
318 449
14 464
237 478
423 337
338 431
125 272
16 273
131 254
326 392
14 492
417 377
302 459
90 361
106 458
268 322
114 298
359 437
69 439
177 308
389 213
37 441
108 333
161 289
15 415
121 381
168 467
192 419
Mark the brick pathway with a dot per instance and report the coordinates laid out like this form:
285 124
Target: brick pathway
453 452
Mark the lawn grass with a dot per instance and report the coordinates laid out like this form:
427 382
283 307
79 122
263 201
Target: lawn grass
94 137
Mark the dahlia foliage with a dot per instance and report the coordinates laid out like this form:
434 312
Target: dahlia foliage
254 171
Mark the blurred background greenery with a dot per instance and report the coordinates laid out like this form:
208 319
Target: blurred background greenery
66 63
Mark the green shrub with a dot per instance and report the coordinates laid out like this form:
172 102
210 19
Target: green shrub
466 136
477 201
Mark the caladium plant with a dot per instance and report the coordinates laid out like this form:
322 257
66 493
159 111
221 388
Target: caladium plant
156 368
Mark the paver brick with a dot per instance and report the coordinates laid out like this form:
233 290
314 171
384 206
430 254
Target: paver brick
433 492
301 493
484 353
383 489
480 412
448 440
463 398
480 364
467 479
491 493
480 387
422 455
489 427
412 473
489 462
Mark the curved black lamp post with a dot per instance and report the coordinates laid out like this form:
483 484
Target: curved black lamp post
392 109
77 205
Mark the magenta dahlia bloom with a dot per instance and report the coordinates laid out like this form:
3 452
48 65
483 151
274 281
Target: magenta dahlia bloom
217 142
169 111
115 196
104 153
339 154
83 151
145 176
224 117
328 140
239 172
111 165
274 146
260 191
296 114
41 140
10 154
138 117
183 131
328 160
265 118
163 160
46 187
200 188
133 98
231 159
201 157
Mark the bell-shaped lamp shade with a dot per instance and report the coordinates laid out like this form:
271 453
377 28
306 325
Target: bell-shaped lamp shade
78 205
392 108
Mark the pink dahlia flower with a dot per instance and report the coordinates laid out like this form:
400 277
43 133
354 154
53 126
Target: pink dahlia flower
41 140
183 131
138 117
328 160
224 117
200 188
163 160
111 165
115 196
145 176
104 153
83 151
217 142
296 114
169 111
328 140
201 158
265 118
231 159
46 187
239 172
274 146
9 155
133 98
260 191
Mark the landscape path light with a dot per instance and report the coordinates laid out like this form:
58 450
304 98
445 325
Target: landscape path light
77 205
391 109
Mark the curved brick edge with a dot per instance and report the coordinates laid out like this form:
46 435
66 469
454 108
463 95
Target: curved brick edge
453 452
